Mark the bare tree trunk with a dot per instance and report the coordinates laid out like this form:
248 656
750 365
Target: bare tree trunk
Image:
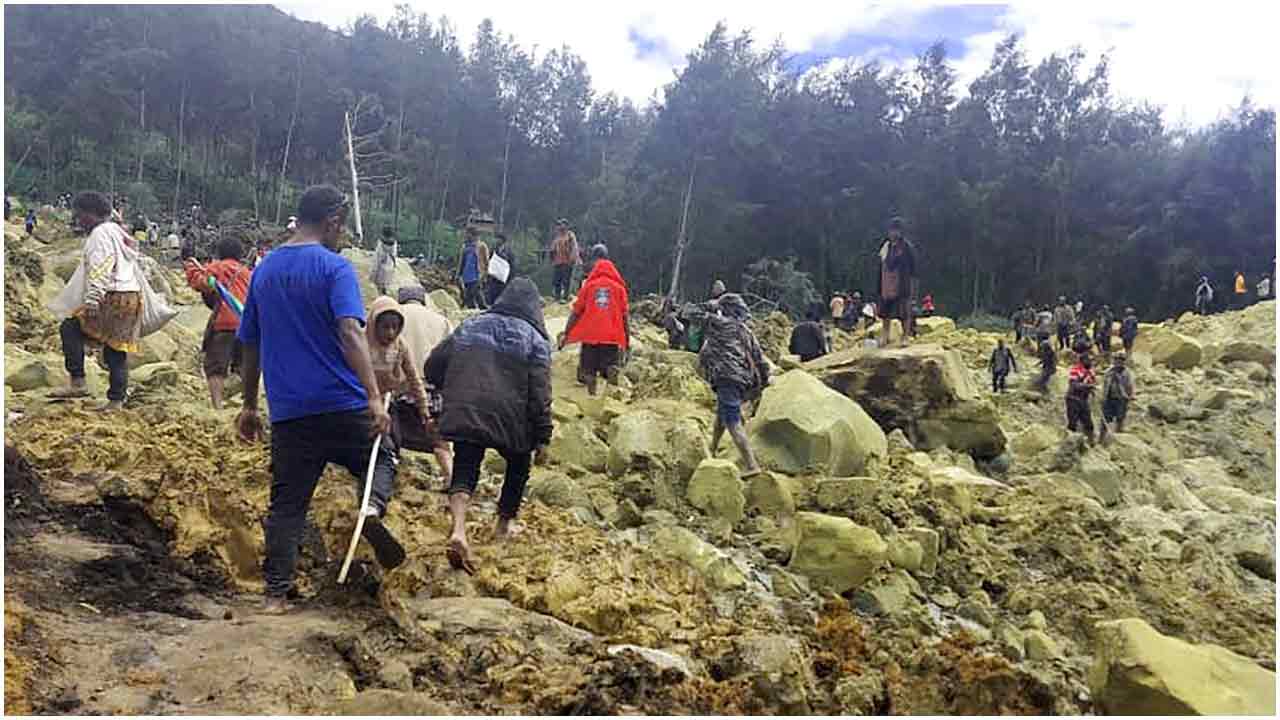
142 128
288 139
177 183
395 178
506 158
682 237
21 160
253 150
355 181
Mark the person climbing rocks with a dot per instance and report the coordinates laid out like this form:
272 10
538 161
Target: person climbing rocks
1002 363
1102 329
1024 322
219 346
852 312
1044 324
898 274
809 339
674 326
1204 296
495 375
383 272
104 302
502 267
1080 384
31 221
717 289
1048 363
1264 288
601 320
733 363
1064 316
1129 329
473 265
564 255
1080 342
1117 392
1241 290
425 327
837 306
401 378
302 332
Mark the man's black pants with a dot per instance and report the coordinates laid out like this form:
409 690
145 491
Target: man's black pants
466 475
73 341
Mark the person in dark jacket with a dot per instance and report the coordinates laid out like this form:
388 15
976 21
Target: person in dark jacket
1129 329
809 338
494 375
732 361
1002 363
898 274
1048 363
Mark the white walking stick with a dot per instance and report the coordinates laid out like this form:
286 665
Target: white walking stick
364 502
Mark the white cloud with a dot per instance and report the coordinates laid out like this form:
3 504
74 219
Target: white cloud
1195 59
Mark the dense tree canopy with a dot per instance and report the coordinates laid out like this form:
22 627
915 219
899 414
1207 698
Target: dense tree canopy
1036 181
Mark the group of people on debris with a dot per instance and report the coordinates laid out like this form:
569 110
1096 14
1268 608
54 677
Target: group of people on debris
1264 290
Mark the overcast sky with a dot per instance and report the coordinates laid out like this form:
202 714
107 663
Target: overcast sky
1194 58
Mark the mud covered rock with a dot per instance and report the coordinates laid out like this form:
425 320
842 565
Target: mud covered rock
380 701
777 667
959 487
923 389
835 551
575 443
23 371
716 489
1169 348
1138 671
646 442
802 425
1246 351
767 494
717 568
444 301
935 325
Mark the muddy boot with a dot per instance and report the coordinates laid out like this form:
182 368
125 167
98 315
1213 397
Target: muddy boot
386 548
110 406
77 389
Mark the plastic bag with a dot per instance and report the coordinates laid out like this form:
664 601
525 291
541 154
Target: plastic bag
499 268
155 308
71 297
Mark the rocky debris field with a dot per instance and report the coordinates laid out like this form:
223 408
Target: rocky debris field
916 546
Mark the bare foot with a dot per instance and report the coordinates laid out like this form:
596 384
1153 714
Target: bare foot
506 528
459 554
111 406
275 605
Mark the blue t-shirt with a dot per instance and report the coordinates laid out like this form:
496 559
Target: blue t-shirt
297 295
470 264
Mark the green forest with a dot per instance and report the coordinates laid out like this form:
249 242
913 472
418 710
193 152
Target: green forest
1033 181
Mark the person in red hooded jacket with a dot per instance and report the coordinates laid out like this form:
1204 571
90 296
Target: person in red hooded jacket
600 320
220 347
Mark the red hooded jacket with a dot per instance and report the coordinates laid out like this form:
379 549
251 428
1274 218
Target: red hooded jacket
601 308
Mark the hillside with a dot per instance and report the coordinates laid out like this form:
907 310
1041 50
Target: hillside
919 546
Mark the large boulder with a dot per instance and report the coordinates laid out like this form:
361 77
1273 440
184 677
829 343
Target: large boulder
362 260
24 371
959 487
648 442
716 490
768 494
1138 671
1169 348
1246 351
804 425
925 390
717 568
934 325
1227 499
835 551
574 443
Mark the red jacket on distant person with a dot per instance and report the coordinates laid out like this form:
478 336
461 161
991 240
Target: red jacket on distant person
234 276
601 308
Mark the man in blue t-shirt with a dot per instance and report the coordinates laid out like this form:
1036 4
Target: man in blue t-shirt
303 329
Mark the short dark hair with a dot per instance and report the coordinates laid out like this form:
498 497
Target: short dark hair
599 251
500 237
230 248
92 203
319 203
386 231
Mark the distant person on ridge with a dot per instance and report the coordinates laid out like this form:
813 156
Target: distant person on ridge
809 339
383 272
1204 296
733 363
1002 363
31 221
564 255
473 265
837 306
1102 329
302 331
495 375
600 320
220 348
898 274
1129 329
1241 291
1264 288
926 306
852 312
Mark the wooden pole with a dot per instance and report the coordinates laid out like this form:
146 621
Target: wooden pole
355 181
